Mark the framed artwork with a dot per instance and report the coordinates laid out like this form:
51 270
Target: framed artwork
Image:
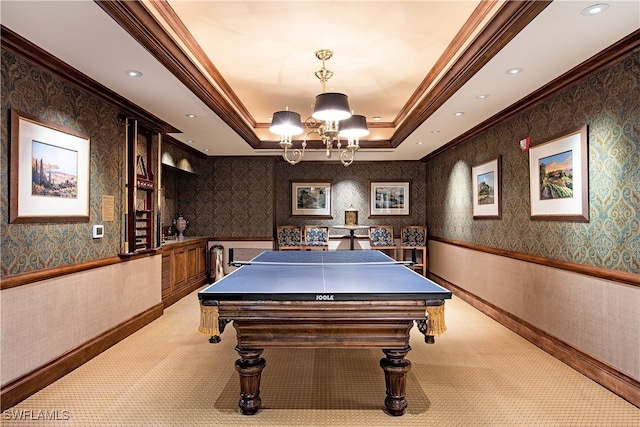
389 198
311 199
49 169
559 178
487 189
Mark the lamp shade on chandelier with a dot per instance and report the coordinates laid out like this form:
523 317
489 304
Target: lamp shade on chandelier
286 123
331 106
354 127
331 119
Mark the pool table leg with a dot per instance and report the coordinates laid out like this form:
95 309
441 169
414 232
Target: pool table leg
250 366
395 368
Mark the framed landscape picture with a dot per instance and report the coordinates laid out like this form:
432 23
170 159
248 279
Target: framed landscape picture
389 198
487 197
311 199
559 178
49 179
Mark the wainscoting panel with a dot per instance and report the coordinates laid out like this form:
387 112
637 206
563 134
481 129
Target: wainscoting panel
43 320
595 316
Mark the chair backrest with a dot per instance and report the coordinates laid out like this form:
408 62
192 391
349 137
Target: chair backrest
316 235
414 235
289 235
381 235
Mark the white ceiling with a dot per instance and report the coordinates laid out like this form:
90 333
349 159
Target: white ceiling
264 52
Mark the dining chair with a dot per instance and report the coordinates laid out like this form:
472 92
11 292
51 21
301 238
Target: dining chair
381 238
316 237
290 238
414 237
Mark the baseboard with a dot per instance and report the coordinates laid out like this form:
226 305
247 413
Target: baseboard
171 299
608 377
23 387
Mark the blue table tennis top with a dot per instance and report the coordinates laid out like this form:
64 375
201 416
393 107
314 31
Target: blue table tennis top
323 276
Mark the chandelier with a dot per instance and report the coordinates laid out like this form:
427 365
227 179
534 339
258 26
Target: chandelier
331 120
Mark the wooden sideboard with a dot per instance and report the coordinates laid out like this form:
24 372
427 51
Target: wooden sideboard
184 268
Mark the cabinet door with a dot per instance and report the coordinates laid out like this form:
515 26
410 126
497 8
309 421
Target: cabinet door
202 261
192 263
179 268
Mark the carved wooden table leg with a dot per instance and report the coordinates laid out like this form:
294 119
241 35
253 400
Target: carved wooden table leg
395 368
250 366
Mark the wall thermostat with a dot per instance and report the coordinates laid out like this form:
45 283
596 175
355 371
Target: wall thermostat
98 231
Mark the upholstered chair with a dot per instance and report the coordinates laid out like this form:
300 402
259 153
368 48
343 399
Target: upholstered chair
316 237
290 238
381 238
414 237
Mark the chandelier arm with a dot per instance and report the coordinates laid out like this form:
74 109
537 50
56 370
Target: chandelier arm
296 152
297 155
304 141
345 158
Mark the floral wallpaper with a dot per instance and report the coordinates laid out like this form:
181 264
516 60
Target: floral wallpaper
229 197
29 247
249 197
351 188
609 103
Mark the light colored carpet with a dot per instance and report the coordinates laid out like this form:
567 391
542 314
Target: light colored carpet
477 374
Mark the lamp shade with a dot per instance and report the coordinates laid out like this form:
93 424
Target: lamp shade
354 127
286 123
331 106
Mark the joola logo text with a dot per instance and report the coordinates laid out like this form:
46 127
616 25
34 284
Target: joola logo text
324 297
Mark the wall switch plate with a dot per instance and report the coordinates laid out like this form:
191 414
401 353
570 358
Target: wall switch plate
98 231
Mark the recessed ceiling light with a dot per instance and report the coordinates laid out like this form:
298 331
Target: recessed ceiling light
484 96
459 113
594 9
514 71
133 73
376 118
190 141
435 131
191 116
419 143
206 150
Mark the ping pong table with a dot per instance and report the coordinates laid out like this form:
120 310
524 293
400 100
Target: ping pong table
317 299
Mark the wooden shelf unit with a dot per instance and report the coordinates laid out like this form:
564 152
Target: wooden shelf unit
143 147
143 229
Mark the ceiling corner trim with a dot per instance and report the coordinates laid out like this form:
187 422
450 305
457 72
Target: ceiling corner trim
167 13
36 55
616 52
460 39
512 17
138 22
